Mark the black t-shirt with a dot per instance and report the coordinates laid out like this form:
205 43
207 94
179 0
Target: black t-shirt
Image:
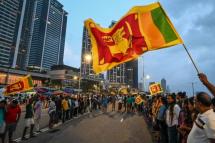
29 111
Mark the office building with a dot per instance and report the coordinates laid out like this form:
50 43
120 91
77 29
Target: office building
48 32
11 13
32 33
163 85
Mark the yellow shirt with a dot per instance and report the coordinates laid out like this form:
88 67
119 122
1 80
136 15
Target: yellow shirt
65 105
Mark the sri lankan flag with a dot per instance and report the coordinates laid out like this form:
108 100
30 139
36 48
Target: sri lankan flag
23 84
138 100
142 29
155 88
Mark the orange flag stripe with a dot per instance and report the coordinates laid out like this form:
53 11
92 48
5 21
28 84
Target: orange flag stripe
151 31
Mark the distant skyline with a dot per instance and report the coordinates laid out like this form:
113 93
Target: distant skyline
194 21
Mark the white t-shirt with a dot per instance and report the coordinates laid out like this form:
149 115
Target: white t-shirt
203 128
38 107
120 99
76 104
176 112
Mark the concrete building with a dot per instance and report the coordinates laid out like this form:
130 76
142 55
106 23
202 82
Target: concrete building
63 75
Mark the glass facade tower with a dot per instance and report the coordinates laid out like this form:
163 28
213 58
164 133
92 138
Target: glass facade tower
48 34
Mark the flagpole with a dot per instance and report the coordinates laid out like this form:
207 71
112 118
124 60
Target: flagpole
191 58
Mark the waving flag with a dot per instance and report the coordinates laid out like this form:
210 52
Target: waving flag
23 84
142 29
155 88
138 100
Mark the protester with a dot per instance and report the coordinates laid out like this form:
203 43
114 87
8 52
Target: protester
71 107
205 81
29 120
113 102
185 122
161 120
172 114
104 103
58 103
13 112
120 100
52 112
203 130
2 119
65 108
37 113
213 103
76 107
124 102
192 109
129 103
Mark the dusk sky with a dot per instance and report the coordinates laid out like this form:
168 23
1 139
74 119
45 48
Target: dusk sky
194 21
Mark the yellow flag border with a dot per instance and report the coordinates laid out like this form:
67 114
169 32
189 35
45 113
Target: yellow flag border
20 79
157 84
137 9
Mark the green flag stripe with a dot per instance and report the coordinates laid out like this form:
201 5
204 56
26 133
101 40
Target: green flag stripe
30 81
161 22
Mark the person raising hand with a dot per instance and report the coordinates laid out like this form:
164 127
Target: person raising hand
203 78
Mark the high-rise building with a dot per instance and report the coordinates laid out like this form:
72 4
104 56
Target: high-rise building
32 33
117 74
124 74
48 32
131 73
11 15
163 84
19 53
86 59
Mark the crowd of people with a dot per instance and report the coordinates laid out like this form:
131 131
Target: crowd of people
182 119
177 117
59 108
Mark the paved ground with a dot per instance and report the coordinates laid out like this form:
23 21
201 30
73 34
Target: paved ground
20 126
111 127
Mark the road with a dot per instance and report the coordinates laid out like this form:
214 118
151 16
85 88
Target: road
98 127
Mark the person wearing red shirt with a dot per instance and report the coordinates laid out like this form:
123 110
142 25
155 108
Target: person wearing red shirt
13 112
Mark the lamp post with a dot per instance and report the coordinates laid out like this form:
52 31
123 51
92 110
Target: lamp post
144 81
87 58
193 88
7 76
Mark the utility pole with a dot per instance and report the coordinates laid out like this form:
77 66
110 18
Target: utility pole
193 88
143 75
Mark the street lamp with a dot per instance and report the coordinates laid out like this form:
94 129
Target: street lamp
147 77
101 84
75 77
87 58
